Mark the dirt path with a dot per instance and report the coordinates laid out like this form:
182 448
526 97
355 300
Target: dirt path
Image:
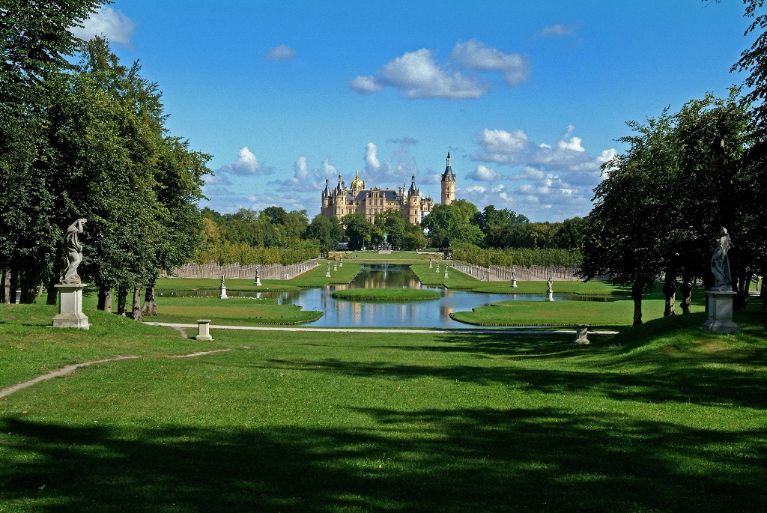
69 369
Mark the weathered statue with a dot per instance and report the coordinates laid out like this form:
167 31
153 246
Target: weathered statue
550 284
720 263
74 252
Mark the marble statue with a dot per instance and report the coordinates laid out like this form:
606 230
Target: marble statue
74 252
550 284
720 263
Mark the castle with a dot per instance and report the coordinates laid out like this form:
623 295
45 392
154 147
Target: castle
341 201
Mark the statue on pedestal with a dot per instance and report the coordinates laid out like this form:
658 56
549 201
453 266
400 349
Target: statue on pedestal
720 262
74 252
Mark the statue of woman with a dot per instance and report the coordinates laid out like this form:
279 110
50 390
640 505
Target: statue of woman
74 252
720 263
550 284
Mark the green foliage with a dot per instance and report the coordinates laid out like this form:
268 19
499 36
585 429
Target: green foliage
359 231
225 252
326 230
522 257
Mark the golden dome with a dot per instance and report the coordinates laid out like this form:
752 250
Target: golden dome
357 183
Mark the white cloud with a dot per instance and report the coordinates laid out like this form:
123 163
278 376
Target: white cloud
473 189
108 23
474 54
417 75
246 165
573 144
365 84
280 53
548 181
483 173
558 30
300 169
372 164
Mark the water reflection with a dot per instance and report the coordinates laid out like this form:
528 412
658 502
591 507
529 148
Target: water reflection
417 314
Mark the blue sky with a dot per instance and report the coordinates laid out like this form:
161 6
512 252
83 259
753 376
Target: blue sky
529 97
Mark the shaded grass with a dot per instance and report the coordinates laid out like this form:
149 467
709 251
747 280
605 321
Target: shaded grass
562 313
665 417
386 295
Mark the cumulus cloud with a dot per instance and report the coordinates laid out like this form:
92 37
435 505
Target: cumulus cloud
365 84
558 30
397 169
418 75
483 173
280 53
246 165
474 54
547 181
108 23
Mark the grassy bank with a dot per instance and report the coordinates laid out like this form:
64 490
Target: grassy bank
387 295
455 280
562 313
239 311
661 418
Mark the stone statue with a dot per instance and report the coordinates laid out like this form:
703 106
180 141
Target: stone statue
74 252
720 263
550 284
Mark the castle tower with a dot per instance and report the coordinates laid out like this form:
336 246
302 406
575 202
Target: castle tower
448 183
357 184
325 199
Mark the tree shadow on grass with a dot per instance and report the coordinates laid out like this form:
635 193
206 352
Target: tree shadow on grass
430 460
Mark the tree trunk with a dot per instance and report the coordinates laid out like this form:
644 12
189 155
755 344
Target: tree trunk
29 283
763 294
122 297
150 305
136 313
105 298
14 285
53 294
5 290
669 292
686 294
636 295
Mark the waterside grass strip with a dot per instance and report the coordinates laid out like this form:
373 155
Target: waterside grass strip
386 295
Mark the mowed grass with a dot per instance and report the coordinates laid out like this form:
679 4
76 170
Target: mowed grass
386 295
239 311
455 280
563 313
661 418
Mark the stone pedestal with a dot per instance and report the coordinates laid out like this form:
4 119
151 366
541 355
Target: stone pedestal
445 272
514 284
71 307
203 330
258 281
720 311
549 296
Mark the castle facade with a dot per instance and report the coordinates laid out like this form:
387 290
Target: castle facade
357 199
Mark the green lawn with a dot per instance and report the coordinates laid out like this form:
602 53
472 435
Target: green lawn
563 313
664 417
455 279
238 311
386 295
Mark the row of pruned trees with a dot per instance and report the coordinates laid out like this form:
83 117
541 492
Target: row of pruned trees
87 140
662 203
